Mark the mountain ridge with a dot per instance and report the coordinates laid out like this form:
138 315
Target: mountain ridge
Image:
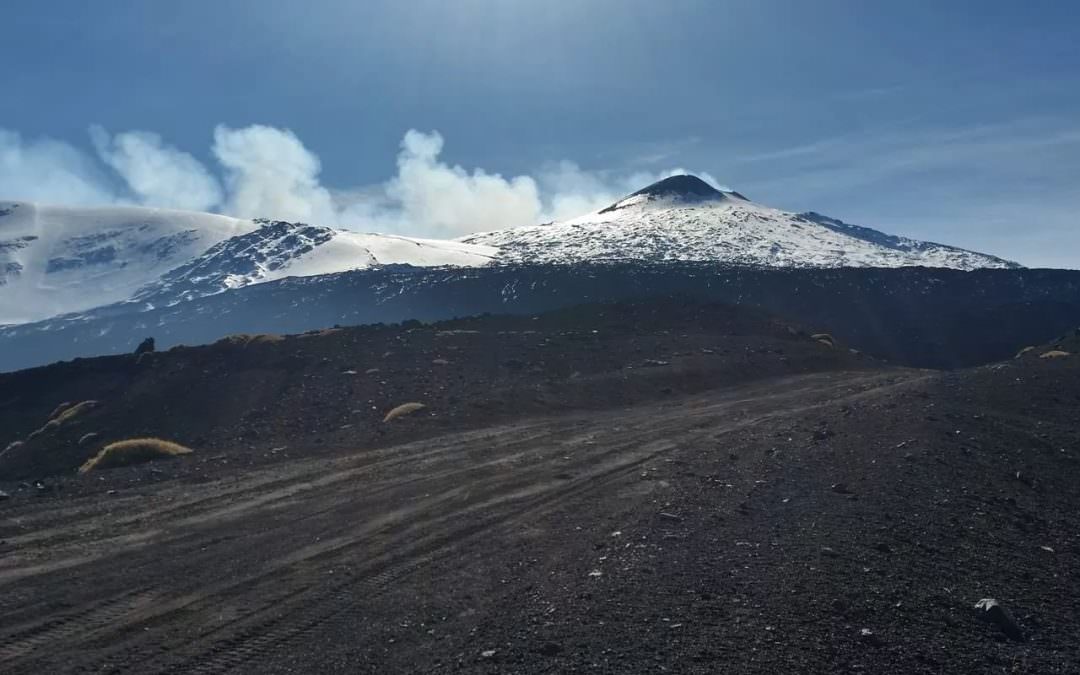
57 260
682 218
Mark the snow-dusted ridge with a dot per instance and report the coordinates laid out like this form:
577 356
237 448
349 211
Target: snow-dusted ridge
56 259
59 260
682 218
279 249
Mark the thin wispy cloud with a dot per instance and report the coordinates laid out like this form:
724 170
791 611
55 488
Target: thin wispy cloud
1007 187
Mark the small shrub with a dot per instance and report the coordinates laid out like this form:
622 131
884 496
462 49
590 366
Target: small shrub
403 409
1053 354
133 451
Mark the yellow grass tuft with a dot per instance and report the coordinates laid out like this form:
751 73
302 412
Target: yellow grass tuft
133 451
403 409
72 411
59 409
1054 354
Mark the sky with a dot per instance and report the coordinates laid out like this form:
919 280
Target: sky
954 121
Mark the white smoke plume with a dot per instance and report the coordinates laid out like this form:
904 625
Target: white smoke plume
157 174
268 172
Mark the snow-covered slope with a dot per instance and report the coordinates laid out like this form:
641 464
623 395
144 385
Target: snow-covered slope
57 260
684 219
278 249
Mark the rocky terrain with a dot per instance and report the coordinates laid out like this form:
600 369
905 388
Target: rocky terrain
646 487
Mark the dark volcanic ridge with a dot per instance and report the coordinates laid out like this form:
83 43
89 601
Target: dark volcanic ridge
921 317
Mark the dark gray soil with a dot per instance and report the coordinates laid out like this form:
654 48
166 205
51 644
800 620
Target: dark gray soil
846 520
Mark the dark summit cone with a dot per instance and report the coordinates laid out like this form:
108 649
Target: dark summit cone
680 186
683 188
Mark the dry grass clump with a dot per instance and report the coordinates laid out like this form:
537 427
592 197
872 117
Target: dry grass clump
824 338
245 339
72 411
266 338
1025 350
1054 354
59 409
319 333
133 451
403 409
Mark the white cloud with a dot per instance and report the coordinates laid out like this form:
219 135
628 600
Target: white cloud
47 170
449 200
157 174
268 172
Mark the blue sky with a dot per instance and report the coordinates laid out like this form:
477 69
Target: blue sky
952 121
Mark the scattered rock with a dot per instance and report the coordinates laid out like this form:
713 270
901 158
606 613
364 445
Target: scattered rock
840 488
487 653
670 516
440 362
867 636
549 649
4 495
991 611
145 347
655 363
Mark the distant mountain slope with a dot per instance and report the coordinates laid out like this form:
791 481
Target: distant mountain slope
682 218
278 249
933 317
57 260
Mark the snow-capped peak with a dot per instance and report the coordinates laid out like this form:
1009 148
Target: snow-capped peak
683 218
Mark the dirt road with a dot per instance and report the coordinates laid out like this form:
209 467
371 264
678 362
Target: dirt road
615 541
